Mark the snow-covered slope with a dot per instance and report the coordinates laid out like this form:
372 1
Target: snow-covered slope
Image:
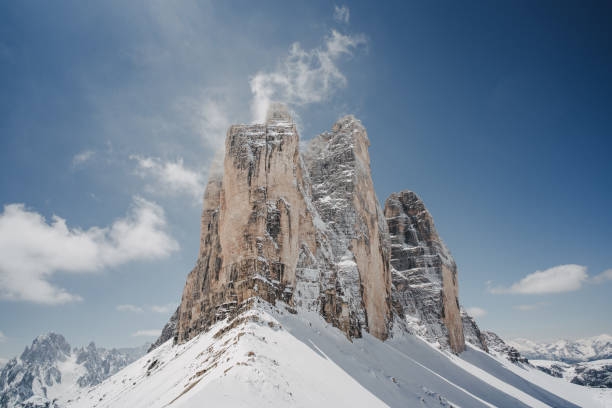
570 351
269 356
50 370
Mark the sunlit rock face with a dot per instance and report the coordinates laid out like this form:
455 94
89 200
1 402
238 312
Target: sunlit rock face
424 273
305 229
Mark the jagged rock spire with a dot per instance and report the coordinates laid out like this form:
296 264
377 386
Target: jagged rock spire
268 230
306 228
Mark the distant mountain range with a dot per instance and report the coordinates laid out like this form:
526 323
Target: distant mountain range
50 369
584 361
568 351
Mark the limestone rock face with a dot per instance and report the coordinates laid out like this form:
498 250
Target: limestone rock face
303 225
343 194
424 273
269 230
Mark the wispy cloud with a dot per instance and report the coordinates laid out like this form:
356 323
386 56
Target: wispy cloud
304 76
171 177
33 250
2 337
82 157
341 14
476 311
558 279
526 308
129 308
213 121
146 333
164 309
602 277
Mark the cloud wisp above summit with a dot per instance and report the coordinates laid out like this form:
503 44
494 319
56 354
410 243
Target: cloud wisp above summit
304 76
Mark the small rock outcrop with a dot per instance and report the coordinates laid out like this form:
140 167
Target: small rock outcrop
168 332
472 333
599 376
424 273
496 345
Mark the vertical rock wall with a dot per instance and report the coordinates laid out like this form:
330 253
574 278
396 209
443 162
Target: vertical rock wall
343 193
263 233
424 273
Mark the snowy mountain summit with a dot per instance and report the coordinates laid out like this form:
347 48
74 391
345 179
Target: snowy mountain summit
49 370
306 292
568 351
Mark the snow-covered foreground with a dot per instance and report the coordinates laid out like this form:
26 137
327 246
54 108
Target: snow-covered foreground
270 357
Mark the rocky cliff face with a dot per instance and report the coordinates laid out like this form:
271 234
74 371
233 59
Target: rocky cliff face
343 195
424 273
305 227
306 230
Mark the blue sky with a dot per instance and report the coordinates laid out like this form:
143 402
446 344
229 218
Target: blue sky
498 114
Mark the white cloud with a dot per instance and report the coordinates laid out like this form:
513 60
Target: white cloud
341 14
171 177
304 76
82 157
130 308
526 308
476 311
164 309
33 250
602 277
558 279
147 333
2 337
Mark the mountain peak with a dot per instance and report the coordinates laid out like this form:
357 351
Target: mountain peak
47 348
